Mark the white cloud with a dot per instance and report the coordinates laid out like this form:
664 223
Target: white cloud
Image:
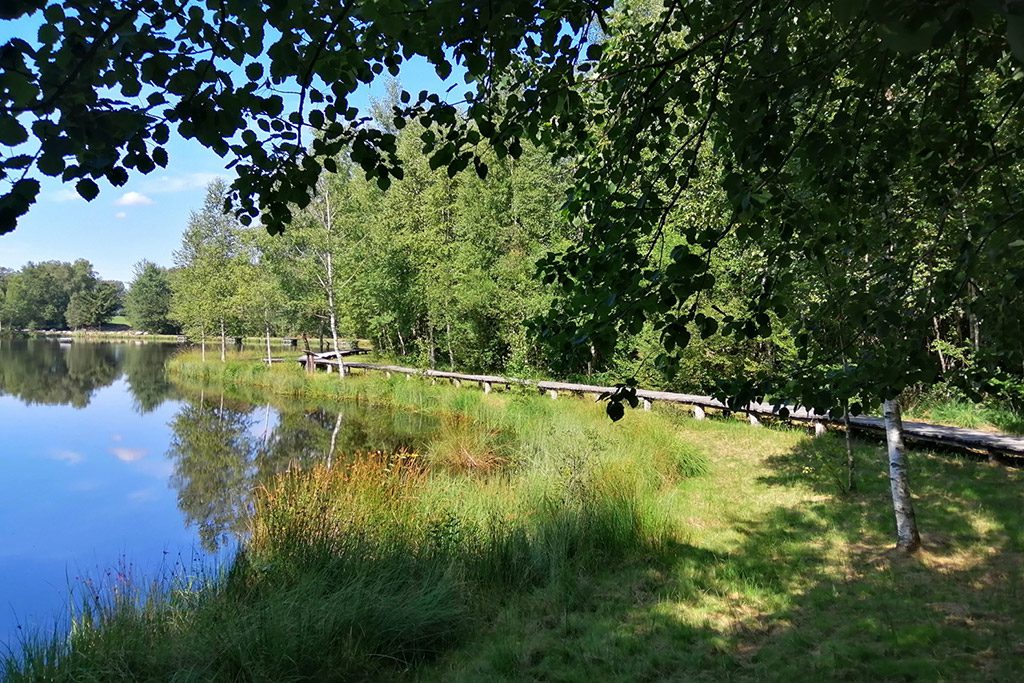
65 195
133 199
180 182
120 215
129 454
70 457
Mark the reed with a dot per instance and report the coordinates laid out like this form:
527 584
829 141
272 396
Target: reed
385 561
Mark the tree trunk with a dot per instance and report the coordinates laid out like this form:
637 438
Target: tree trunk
907 537
202 343
334 317
223 342
401 342
851 483
448 337
938 347
433 350
268 337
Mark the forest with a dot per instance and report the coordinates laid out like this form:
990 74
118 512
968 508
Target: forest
57 295
441 271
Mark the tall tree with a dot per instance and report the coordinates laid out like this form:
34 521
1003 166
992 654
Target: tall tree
206 284
148 303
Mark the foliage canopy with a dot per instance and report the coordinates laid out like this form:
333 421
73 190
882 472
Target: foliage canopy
864 152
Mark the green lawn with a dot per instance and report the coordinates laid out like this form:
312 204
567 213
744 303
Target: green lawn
777 576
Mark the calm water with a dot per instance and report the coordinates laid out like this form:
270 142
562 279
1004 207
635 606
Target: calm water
105 466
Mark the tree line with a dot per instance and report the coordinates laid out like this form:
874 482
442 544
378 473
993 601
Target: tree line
441 270
57 295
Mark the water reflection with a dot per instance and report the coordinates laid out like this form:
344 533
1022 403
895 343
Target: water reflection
104 462
43 372
222 448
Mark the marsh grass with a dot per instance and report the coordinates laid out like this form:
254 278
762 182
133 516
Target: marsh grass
959 412
386 561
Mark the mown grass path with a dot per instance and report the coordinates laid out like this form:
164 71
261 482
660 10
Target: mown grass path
778 575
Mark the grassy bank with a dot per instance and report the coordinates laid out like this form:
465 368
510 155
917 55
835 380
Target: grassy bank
534 540
381 563
959 412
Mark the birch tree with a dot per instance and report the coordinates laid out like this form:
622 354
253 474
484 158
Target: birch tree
205 286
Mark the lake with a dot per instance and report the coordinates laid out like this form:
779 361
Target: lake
108 468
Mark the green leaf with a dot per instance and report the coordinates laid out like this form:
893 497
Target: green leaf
87 189
254 71
11 131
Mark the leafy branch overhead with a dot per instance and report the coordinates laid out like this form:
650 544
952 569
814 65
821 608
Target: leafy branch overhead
623 393
814 137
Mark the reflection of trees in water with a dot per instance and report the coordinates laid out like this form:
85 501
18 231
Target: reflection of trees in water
223 450
213 456
146 374
42 371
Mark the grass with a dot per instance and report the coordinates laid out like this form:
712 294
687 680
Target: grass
383 562
658 548
960 412
776 576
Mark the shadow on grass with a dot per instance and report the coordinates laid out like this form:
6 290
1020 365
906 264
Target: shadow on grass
811 591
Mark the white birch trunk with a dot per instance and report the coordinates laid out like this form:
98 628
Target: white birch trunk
268 337
448 337
331 303
202 343
334 324
907 537
223 341
334 441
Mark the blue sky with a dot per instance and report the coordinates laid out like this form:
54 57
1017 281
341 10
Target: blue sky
145 218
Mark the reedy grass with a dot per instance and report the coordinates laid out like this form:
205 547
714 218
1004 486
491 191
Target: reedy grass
960 412
382 562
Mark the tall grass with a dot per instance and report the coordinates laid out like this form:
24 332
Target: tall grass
381 562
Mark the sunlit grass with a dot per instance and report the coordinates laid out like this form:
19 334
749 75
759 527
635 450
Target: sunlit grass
775 574
383 562
964 413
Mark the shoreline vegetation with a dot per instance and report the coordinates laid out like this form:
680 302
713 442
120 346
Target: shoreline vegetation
382 561
533 539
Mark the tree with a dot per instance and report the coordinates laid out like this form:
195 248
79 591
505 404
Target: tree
148 303
5 276
262 297
93 307
206 284
38 295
